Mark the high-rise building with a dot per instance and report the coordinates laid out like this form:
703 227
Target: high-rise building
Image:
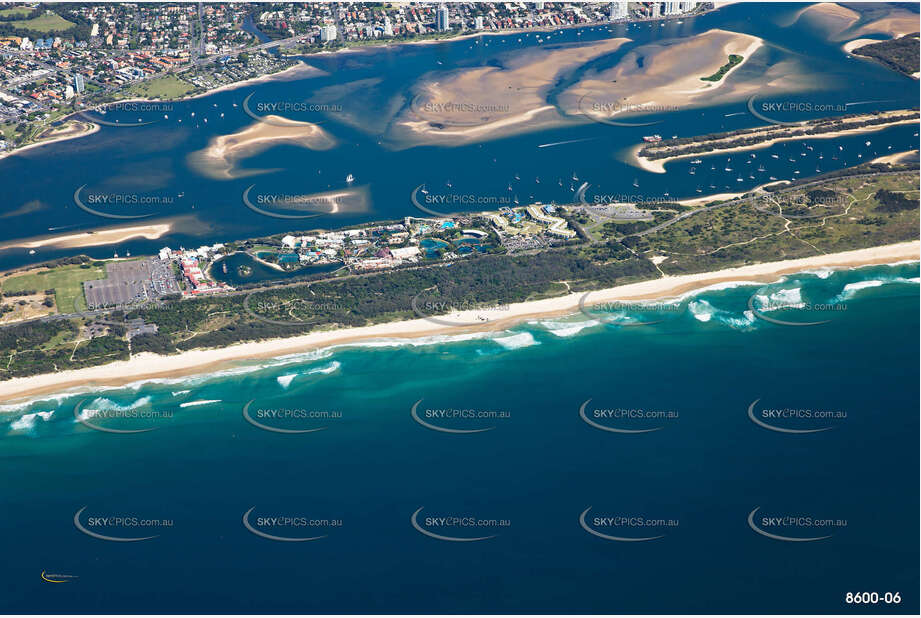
671 8
618 10
328 33
654 10
388 27
79 83
539 6
442 21
478 22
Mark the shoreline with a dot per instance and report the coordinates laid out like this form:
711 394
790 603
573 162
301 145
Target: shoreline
301 65
657 166
148 366
92 127
96 238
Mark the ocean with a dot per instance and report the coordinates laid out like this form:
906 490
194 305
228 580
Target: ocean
684 456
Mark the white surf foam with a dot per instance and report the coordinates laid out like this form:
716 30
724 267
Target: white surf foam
567 329
326 369
200 402
516 341
285 380
26 422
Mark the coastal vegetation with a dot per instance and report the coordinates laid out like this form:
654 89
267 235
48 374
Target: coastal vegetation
858 212
741 138
734 59
900 54
830 215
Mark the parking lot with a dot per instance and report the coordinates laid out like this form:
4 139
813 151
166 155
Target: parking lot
129 283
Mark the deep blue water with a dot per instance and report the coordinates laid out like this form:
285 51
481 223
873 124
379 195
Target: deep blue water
705 469
151 161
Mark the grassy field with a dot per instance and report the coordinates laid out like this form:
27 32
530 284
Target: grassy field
749 233
67 282
167 88
16 11
45 23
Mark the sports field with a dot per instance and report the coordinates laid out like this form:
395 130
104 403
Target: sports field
67 282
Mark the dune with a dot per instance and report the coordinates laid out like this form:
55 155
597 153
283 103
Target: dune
219 159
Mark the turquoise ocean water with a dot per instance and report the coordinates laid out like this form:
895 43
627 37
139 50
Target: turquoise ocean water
374 487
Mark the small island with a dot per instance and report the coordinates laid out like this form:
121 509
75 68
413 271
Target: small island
734 59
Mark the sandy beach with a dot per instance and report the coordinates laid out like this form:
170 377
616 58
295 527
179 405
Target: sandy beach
219 159
88 128
106 236
148 366
856 43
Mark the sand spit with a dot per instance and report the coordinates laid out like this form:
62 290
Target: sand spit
106 236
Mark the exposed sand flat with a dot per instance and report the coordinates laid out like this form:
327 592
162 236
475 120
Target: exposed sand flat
662 77
219 159
832 19
897 24
895 157
838 22
484 102
658 165
339 201
149 366
108 236
852 45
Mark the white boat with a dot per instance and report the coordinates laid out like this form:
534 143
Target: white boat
350 179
